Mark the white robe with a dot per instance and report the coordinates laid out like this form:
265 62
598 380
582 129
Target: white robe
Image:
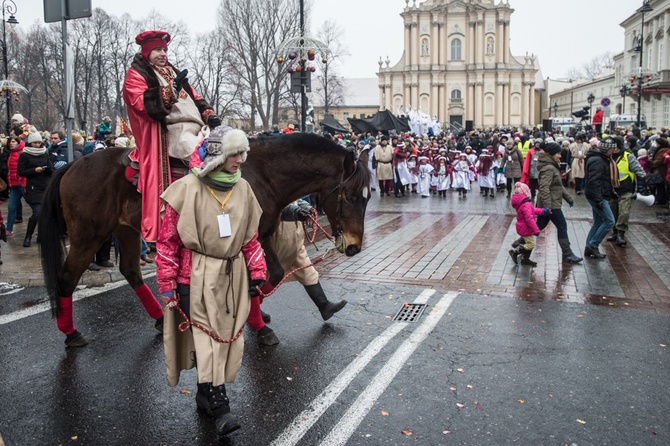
486 180
443 178
462 175
425 175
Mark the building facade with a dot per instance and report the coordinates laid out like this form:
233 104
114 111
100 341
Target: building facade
616 85
457 66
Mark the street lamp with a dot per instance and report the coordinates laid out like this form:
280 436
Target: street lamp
590 100
8 7
555 108
641 75
301 53
625 91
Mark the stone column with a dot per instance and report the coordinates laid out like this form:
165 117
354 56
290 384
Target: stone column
470 102
408 46
415 44
531 106
469 44
479 100
499 103
500 39
434 45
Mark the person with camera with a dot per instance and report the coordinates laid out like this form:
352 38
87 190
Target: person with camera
168 119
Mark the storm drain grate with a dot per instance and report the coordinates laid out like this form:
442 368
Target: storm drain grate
409 313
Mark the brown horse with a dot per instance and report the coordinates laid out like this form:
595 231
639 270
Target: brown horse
91 199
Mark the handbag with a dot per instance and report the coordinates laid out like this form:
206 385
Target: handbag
654 179
3 185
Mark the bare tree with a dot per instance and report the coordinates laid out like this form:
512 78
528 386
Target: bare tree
252 30
593 68
331 91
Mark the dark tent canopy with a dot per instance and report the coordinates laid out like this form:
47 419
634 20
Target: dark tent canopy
330 124
382 121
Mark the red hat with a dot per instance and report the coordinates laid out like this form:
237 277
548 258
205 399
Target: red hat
149 40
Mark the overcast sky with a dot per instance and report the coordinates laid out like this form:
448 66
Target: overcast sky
562 33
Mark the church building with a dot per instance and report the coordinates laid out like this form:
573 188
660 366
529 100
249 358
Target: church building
457 66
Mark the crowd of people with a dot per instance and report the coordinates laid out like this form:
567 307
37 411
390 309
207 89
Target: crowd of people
29 157
528 165
204 217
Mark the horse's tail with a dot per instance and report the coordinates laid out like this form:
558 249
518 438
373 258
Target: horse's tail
52 232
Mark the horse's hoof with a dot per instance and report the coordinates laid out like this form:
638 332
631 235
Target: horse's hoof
159 324
267 337
266 317
75 339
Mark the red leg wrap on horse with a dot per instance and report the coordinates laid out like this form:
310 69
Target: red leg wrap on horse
267 289
255 318
65 316
149 301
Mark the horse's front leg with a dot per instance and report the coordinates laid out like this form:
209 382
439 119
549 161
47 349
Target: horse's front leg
130 248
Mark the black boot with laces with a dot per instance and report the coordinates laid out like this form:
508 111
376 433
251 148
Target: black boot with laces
213 401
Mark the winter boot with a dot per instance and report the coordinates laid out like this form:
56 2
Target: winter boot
592 251
525 257
514 253
613 237
29 232
621 239
326 307
568 255
213 401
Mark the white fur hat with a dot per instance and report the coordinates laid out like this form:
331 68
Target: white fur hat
18 117
34 137
223 142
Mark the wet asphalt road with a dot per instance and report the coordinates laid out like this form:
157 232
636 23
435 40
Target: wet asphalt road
473 370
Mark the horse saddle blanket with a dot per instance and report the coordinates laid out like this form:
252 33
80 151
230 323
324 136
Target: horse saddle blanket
130 159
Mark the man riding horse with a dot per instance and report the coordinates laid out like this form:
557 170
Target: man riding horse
168 117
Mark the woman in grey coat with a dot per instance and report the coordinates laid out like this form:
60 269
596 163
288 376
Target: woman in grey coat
551 194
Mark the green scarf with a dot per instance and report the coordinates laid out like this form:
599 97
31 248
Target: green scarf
222 181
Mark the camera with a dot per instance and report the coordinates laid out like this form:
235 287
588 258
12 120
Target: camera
583 113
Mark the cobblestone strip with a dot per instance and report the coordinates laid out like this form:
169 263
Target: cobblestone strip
597 276
446 252
501 271
375 253
653 248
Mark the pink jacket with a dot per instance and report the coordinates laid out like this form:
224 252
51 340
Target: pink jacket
525 215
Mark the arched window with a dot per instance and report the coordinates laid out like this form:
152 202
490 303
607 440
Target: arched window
455 94
456 49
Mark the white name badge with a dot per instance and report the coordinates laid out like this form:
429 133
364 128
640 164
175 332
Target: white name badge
579 153
224 225
509 158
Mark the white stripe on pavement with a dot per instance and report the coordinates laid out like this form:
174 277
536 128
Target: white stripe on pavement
349 422
306 419
78 295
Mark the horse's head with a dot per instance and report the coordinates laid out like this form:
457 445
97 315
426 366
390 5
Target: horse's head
345 206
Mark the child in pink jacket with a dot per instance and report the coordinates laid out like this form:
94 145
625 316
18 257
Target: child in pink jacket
526 226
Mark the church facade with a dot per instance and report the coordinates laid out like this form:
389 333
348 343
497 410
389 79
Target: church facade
457 66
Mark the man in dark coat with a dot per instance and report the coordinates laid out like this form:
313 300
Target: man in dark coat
600 178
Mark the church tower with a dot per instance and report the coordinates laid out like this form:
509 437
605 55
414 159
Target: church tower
457 65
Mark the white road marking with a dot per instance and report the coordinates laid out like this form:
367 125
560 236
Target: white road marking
340 434
78 295
306 419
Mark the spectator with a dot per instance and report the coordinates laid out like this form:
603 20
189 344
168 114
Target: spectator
16 183
600 179
35 164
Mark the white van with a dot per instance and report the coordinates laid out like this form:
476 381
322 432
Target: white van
564 123
625 120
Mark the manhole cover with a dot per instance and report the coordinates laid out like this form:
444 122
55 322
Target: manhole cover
409 313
